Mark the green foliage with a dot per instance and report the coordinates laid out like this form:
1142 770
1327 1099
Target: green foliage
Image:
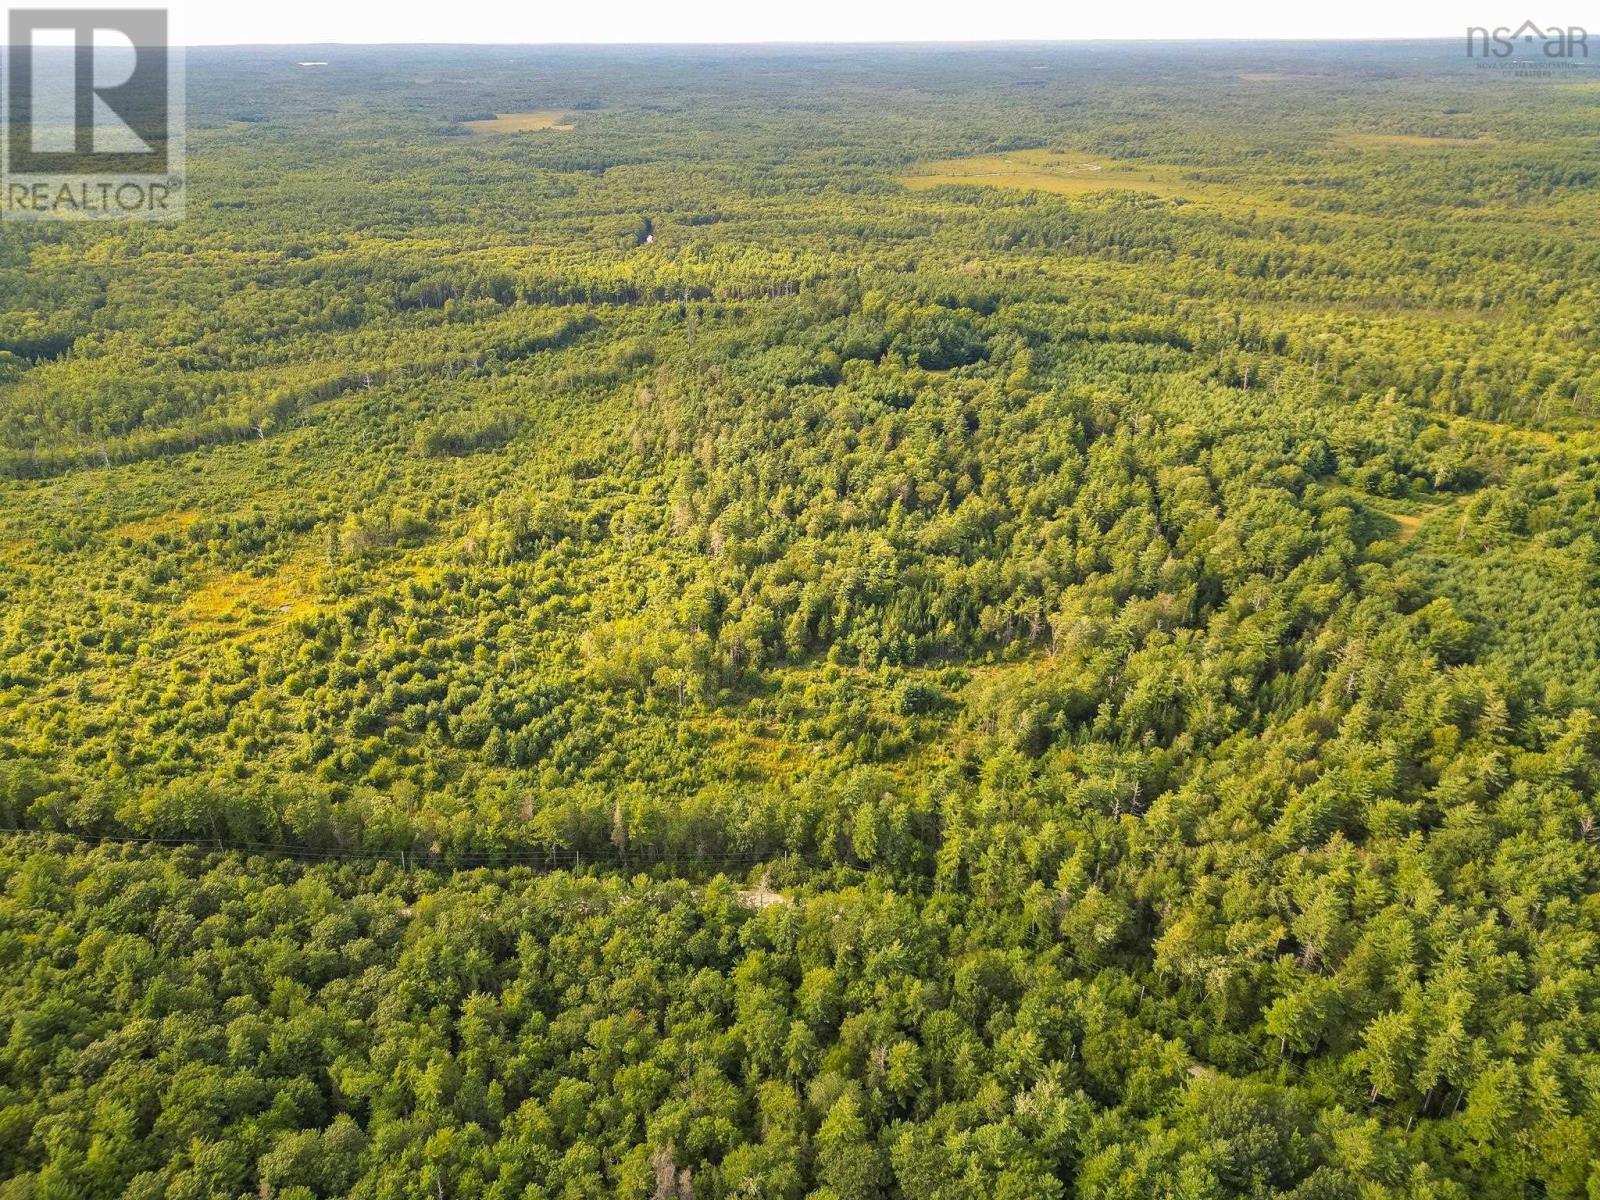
1141 642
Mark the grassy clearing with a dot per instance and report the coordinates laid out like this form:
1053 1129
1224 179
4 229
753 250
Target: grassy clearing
1408 525
239 602
1408 514
523 122
1081 174
748 743
1048 171
1075 173
1578 440
148 527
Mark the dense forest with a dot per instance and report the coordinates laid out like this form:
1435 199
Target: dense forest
812 625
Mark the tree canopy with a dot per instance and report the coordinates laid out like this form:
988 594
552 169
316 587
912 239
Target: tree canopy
818 625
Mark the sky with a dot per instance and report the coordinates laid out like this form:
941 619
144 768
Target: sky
230 22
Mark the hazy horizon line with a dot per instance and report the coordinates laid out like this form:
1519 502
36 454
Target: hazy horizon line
909 43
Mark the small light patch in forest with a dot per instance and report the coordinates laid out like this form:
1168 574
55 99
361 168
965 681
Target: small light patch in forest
761 896
1051 171
1409 524
758 756
251 603
148 527
523 122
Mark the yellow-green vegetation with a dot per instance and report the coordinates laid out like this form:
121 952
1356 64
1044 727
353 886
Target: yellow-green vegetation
696 656
1410 141
243 601
1063 173
522 122
165 522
